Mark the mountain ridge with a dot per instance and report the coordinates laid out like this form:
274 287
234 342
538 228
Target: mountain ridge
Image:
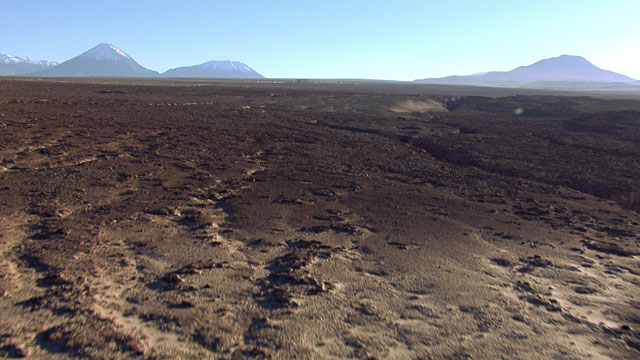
564 68
16 65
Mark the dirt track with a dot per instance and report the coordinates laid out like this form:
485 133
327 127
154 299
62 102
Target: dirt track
234 220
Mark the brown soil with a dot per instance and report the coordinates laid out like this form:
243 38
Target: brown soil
299 220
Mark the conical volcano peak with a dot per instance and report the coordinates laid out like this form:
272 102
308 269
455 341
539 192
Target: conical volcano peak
102 60
106 52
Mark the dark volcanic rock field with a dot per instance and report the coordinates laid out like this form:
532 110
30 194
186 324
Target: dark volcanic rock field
153 219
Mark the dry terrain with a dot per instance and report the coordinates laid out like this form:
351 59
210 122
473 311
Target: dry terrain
191 220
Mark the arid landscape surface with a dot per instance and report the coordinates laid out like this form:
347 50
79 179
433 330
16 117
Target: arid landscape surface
316 220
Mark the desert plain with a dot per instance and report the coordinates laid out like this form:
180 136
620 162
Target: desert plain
160 219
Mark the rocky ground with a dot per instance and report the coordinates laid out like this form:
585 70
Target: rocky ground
297 220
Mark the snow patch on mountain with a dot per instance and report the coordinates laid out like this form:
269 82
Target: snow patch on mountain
225 65
106 52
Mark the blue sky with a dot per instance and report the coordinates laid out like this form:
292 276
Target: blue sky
399 40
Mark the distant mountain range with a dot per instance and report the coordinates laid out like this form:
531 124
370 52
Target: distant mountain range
106 60
13 65
556 72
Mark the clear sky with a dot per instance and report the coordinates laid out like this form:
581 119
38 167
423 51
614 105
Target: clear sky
374 39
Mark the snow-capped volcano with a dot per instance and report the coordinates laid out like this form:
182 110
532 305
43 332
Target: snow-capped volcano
215 69
15 65
103 60
107 52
